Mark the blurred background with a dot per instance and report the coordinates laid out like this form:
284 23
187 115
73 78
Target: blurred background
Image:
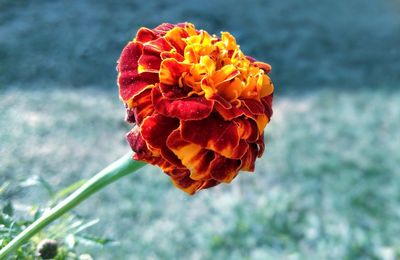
326 188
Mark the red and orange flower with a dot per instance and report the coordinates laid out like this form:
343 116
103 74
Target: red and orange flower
199 104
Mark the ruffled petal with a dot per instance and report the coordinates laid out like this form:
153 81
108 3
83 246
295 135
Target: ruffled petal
224 169
145 35
171 70
189 108
248 160
187 184
142 106
193 156
215 134
150 61
129 57
132 83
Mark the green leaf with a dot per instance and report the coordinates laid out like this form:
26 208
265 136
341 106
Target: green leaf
91 239
8 209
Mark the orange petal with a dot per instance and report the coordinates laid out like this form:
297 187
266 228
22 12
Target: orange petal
262 65
142 106
224 74
193 156
172 55
175 37
171 70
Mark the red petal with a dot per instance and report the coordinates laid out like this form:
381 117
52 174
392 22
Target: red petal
174 91
214 133
248 160
254 106
144 35
224 169
136 141
187 184
195 158
190 108
132 83
129 57
156 128
159 45
267 102
163 28
222 101
149 62
261 145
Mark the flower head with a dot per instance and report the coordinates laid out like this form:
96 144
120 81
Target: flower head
198 104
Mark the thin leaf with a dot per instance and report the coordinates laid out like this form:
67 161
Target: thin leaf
8 209
85 238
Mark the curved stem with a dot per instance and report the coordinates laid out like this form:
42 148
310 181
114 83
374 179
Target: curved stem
123 166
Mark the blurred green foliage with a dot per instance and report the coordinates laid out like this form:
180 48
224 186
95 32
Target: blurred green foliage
69 232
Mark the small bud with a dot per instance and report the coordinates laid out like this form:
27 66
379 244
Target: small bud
47 249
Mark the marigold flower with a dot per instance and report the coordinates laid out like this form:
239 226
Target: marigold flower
198 104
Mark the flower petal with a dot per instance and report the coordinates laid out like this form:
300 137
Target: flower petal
175 37
150 61
193 156
254 106
247 129
214 133
142 106
129 57
158 45
132 83
262 65
224 169
145 35
187 184
163 28
189 108
171 70
248 160
156 129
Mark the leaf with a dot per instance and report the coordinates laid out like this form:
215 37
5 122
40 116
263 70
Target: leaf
86 225
8 209
91 239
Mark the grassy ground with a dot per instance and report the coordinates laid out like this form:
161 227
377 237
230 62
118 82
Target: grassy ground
327 186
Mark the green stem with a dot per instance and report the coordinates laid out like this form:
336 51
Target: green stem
123 166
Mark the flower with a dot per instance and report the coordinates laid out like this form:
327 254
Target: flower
198 104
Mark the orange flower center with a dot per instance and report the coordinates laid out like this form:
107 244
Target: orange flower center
217 66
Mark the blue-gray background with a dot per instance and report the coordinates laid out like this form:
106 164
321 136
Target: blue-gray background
327 185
